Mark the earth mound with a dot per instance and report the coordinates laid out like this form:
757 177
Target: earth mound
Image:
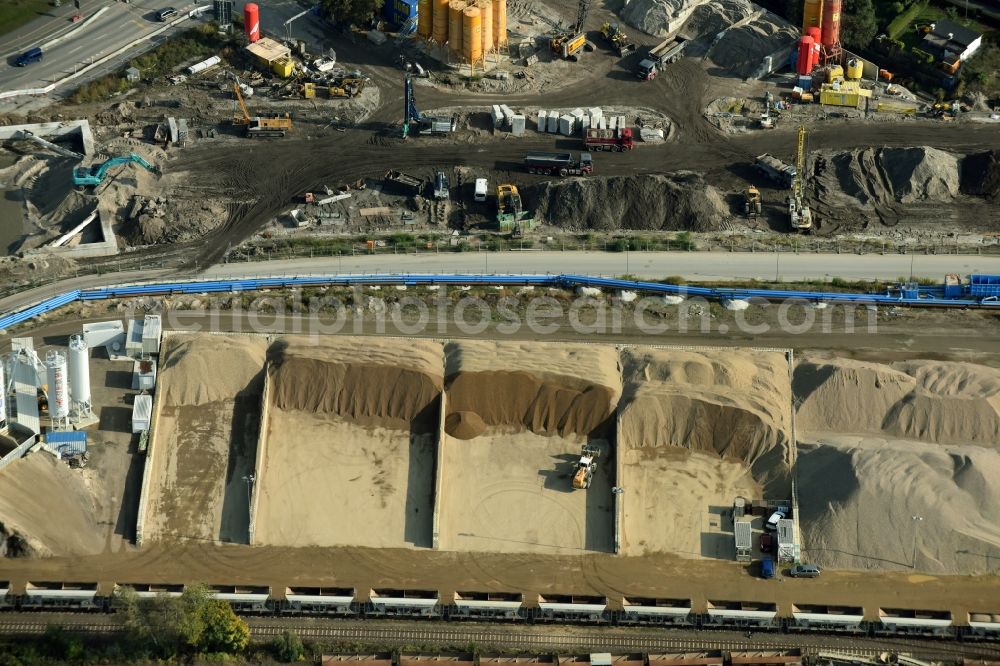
464 425
875 176
201 369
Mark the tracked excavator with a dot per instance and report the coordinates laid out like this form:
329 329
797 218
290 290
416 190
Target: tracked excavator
94 175
260 126
799 215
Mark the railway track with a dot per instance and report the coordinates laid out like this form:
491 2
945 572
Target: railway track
539 638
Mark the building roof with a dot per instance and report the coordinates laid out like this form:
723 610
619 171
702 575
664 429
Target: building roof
954 33
268 50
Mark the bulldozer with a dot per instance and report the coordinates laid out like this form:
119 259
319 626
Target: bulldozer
619 40
347 87
752 205
585 467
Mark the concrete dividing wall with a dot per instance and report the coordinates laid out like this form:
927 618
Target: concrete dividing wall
619 497
57 130
258 467
19 452
148 466
438 471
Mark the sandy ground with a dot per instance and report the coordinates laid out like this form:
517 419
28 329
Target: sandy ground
510 491
677 501
327 482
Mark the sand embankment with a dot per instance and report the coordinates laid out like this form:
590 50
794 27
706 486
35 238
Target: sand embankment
546 388
201 369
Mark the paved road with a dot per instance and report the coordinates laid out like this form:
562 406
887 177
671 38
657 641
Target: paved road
695 266
77 46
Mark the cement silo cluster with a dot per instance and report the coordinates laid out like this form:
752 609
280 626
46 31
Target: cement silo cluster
470 30
820 42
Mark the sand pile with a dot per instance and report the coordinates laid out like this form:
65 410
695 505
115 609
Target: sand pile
546 388
981 175
732 404
932 401
47 509
464 425
201 369
858 496
363 380
678 201
873 176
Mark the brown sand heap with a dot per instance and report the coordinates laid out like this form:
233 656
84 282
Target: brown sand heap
544 387
734 404
201 369
858 496
464 425
364 380
677 201
47 507
873 176
933 401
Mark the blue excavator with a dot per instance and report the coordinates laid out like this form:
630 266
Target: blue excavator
415 122
93 175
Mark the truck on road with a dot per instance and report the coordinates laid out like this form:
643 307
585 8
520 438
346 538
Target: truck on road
561 164
608 139
28 57
781 173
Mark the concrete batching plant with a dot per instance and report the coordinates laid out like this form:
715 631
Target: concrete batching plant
58 389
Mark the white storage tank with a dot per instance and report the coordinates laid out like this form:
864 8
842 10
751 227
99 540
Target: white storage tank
55 363
79 370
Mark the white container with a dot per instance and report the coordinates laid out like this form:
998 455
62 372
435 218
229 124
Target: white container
577 113
595 112
566 125
204 64
553 122
508 114
543 121
79 370
602 123
584 124
613 123
517 123
497 116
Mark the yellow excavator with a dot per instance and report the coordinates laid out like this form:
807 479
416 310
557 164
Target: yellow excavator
260 126
799 215
569 44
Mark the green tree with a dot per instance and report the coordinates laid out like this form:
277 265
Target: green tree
288 646
222 629
351 11
60 645
857 23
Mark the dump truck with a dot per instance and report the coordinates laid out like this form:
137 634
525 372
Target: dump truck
781 173
619 40
561 164
608 139
404 183
668 51
583 475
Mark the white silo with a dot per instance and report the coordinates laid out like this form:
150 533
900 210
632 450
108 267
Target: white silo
55 363
79 374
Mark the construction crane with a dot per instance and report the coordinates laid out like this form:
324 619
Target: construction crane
569 44
799 214
94 175
585 467
260 126
424 124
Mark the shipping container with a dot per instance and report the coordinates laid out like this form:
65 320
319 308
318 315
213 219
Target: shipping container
839 98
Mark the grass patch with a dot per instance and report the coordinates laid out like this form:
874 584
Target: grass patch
16 13
905 20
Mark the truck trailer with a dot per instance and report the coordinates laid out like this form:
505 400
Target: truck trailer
667 51
781 173
404 183
608 139
561 164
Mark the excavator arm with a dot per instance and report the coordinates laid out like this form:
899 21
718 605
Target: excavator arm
83 176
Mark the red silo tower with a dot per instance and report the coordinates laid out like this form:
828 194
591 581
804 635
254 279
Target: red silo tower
251 22
806 60
831 30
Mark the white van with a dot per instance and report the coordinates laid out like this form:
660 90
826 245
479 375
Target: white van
480 189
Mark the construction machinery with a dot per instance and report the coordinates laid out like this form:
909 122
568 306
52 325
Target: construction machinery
94 175
347 87
781 173
424 124
667 51
609 139
569 44
511 215
561 164
752 205
766 120
646 70
619 40
585 467
799 214
260 126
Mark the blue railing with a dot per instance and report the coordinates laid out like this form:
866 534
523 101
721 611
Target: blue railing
922 296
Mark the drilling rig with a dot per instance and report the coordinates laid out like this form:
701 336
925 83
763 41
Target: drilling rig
569 44
799 215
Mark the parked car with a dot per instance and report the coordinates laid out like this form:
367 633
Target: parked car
166 14
805 571
766 543
772 522
28 57
767 568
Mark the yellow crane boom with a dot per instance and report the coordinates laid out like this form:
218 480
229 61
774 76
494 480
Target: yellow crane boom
245 120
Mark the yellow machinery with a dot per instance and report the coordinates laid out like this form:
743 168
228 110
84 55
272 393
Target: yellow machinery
585 467
799 215
614 34
347 87
511 216
260 126
570 44
752 205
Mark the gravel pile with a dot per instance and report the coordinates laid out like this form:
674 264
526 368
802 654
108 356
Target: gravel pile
873 176
680 201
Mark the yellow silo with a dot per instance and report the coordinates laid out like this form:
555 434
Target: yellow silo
835 72
472 39
486 14
425 19
855 70
440 14
500 23
812 15
455 26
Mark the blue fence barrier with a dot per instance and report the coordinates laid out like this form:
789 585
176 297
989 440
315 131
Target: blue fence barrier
908 296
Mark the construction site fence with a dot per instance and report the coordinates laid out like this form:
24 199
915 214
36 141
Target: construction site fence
925 298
